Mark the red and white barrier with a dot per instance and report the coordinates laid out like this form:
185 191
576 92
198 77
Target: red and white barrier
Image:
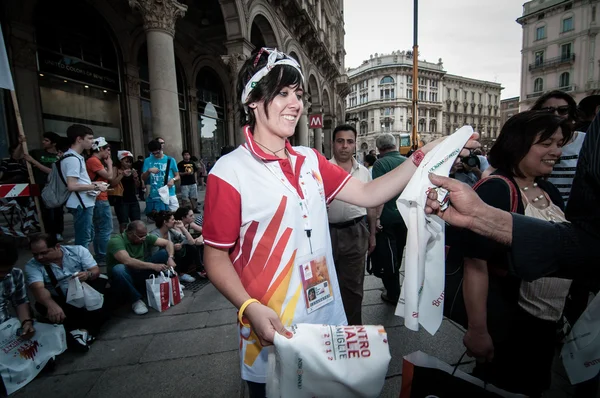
14 190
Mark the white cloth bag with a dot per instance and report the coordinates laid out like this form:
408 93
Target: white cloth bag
157 291
581 352
21 360
328 361
422 295
163 192
80 294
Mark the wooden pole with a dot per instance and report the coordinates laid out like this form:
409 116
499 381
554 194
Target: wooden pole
415 136
13 96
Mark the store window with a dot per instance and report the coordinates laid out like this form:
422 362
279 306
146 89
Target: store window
78 72
211 114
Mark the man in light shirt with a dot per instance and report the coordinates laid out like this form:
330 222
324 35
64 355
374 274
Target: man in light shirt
350 237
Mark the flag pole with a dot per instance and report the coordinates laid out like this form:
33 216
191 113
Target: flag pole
36 199
415 136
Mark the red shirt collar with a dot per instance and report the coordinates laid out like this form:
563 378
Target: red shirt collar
257 150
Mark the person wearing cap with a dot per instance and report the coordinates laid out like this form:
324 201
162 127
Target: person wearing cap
266 232
100 168
126 182
82 200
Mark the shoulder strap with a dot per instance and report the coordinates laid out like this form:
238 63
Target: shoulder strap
62 178
168 169
54 281
514 196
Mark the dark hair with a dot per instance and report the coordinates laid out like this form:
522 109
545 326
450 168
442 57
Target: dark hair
519 133
343 127
186 151
182 212
268 87
227 149
78 131
154 145
371 159
8 253
140 157
50 239
573 116
162 217
52 136
588 105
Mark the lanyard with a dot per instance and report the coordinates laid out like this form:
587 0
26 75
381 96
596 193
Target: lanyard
302 202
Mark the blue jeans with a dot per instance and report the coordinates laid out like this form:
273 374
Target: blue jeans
82 223
102 228
127 280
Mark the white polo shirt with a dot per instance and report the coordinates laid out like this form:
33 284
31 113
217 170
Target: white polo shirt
74 166
253 209
341 211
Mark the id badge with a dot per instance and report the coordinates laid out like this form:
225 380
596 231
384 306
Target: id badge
316 282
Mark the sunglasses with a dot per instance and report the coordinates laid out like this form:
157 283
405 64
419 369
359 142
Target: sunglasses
561 110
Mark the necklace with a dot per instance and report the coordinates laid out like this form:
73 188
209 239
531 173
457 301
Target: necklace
533 186
270 150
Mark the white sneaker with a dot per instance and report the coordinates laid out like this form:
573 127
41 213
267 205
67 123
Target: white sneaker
81 340
139 307
187 278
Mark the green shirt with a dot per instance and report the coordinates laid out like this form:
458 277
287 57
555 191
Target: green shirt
121 242
388 162
46 159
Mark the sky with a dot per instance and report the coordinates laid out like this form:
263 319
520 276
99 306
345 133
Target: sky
479 39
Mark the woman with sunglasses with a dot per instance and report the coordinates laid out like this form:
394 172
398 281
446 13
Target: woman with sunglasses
266 230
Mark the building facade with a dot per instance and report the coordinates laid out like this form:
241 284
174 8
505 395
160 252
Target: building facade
508 108
139 69
380 100
561 50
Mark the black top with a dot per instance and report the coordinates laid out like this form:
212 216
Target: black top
129 189
46 159
571 249
187 167
13 171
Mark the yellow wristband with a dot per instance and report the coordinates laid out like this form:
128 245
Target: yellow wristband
243 308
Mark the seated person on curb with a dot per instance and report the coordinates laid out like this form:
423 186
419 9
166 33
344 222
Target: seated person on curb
186 254
48 274
128 266
185 223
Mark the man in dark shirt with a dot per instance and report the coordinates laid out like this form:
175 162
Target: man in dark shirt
41 161
138 165
392 230
13 170
189 189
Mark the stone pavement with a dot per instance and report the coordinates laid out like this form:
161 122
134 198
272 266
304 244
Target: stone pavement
190 350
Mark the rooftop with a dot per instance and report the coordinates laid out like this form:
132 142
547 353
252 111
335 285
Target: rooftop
396 58
532 7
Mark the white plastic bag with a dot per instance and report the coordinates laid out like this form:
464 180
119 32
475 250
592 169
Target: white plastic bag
422 295
163 192
94 300
21 360
581 352
75 295
157 290
328 361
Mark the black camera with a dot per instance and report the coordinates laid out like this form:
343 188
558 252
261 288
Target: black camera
471 161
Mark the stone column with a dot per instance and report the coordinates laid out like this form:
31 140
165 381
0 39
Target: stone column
194 146
132 87
159 23
238 51
25 77
327 143
303 129
319 140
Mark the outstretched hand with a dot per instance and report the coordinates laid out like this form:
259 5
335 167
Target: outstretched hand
464 202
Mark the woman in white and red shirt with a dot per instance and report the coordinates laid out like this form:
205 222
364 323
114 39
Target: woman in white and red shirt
265 229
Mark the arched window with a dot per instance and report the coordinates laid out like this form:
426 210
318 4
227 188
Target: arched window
211 113
422 125
433 126
564 80
386 80
538 85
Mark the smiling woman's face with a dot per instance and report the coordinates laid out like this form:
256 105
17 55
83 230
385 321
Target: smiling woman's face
542 156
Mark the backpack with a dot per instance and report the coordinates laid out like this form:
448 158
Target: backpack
55 193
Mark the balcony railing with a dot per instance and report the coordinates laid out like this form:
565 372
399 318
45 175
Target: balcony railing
566 89
551 62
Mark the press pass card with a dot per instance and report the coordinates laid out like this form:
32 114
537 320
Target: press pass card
315 282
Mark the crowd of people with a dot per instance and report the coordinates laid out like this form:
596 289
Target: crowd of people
286 234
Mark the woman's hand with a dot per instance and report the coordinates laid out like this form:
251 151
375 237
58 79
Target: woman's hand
28 330
178 246
199 241
265 323
473 143
479 344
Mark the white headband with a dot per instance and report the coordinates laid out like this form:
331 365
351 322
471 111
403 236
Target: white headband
275 58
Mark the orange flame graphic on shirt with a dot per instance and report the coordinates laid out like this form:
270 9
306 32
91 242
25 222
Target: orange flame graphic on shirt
317 177
29 350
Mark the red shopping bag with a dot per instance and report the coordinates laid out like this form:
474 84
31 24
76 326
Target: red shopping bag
175 290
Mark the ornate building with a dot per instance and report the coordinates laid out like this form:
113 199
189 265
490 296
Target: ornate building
380 100
138 69
561 49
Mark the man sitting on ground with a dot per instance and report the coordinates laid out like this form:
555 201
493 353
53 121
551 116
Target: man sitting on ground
128 266
48 275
